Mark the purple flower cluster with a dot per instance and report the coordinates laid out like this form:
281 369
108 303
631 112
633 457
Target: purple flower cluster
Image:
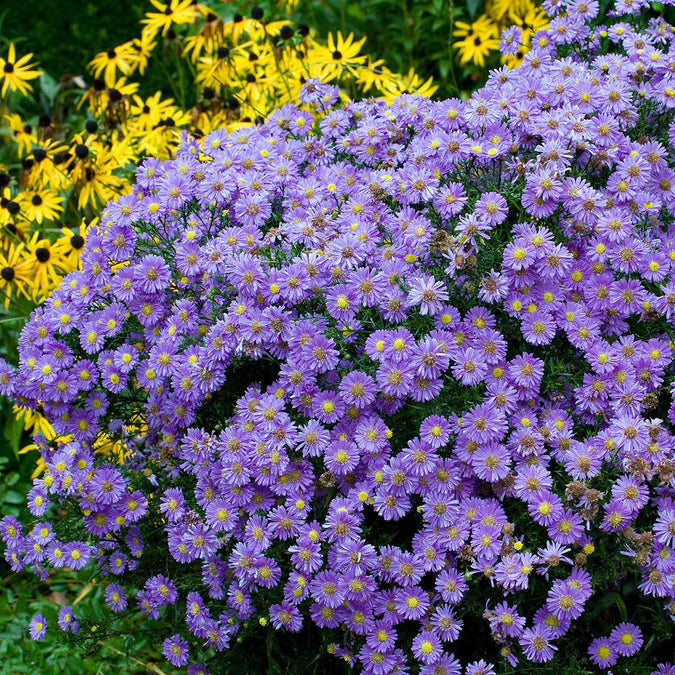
406 355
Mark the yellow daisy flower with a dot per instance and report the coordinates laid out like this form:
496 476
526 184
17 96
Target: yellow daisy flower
39 205
120 59
393 85
207 39
478 39
48 266
111 101
16 273
177 12
338 55
70 244
142 48
22 133
95 181
16 73
43 169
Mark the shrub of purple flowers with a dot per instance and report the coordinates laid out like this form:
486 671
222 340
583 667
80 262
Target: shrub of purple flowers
385 370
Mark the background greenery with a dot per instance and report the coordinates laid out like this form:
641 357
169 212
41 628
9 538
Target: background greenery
65 35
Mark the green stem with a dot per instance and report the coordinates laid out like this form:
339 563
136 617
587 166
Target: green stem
451 53
181 80
167 74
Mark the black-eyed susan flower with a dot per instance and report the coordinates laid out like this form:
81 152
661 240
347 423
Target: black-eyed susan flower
43 165
177 12
110 61
207 39
16 73
217 70
476 41
16 273
22 133
393 85
48 266
338 55
95 181
142 48
40 205
109 101
146 114
70 244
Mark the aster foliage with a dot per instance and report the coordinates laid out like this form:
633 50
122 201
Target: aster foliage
370 367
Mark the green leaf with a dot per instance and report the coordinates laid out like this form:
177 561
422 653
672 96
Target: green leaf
622 606
473 6
13 428
13 497
48 87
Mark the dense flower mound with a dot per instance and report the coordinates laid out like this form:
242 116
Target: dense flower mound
373 368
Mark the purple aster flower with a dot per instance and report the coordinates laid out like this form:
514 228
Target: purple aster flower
538 328
626 638
664 669
198 669
152 273
602 652
664 526
491 462
564 601
545 508
479 668
172 505
451 585
426 647
412 602
115 597
161 590
285 616
107 485
176 650
505 620
76 555
536 644
357 389
67 620
470 367
326 589
38 627
428 294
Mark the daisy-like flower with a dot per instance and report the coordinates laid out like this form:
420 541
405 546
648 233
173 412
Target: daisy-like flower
505 620
664 527
67 621
176 650
476 40
16 73
427 647
564 601
536 644
115 597
176 12
480 667
626 638
491 207
428 294
38 627
107 486
470 367
602 652
338 54
491 462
